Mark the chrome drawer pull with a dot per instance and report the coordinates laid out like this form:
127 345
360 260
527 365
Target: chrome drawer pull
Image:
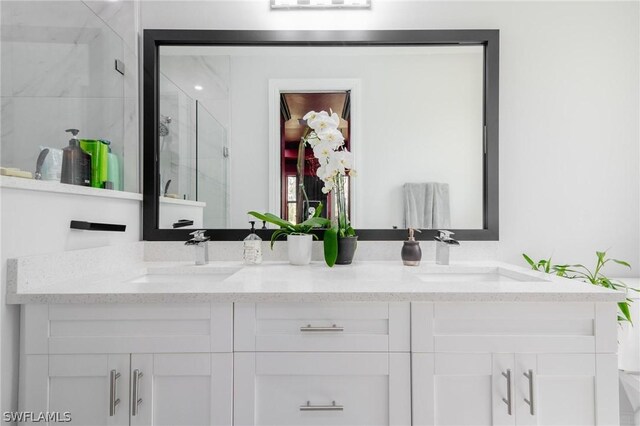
113 396
507 400
135 400
321 329
530 401
332 407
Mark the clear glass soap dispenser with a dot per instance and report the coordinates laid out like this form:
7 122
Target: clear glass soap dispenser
252 247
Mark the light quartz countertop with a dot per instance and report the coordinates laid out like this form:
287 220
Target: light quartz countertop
30 281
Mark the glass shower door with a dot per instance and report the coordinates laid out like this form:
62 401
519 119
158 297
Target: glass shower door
212 168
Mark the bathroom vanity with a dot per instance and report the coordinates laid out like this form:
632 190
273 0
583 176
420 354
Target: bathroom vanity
374 343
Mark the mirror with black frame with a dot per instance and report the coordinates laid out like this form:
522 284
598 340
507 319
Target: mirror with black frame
225 129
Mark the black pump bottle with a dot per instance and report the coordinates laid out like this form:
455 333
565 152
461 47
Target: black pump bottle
76 164
411 253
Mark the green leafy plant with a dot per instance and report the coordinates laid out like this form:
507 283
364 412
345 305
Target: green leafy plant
594 276
288 228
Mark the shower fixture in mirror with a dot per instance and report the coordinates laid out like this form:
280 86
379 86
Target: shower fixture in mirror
225 132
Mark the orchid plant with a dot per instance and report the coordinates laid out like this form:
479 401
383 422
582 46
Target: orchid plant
336 163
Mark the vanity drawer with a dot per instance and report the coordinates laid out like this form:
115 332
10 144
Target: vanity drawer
127 328
532 327
301 389
322 327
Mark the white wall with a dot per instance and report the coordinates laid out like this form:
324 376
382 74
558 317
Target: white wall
569 107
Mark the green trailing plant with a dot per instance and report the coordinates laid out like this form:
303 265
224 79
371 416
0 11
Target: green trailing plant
289 228
594 276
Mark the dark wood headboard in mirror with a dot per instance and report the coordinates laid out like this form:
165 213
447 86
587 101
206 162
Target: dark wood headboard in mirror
223 121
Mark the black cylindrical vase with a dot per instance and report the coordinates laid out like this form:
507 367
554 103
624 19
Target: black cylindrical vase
346 250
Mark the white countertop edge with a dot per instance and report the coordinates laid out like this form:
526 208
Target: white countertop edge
257 297
11 182
574 292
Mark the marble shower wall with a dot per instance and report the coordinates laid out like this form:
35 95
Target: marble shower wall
58 72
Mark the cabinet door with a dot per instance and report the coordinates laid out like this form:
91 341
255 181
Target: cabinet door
462 389
566 389
181 389
93 389
337 389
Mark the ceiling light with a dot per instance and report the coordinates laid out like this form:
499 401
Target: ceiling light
320 4
198 87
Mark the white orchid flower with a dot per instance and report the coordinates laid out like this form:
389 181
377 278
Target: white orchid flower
321 171
341 160
313 140
322 150
326 173
314 118
310 116
328 187
322 122
334 117
333 136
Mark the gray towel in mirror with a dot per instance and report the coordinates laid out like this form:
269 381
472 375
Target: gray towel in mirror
426 205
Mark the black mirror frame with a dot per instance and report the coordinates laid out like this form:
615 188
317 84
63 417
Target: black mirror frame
153 39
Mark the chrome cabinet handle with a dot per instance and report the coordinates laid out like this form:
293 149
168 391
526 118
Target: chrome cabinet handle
334 327
507 400
113 396
135 400
332 407
530 401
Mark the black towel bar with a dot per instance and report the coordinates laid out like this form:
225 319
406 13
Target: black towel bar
92 226
182 223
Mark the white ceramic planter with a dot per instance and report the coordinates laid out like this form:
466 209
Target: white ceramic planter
299 247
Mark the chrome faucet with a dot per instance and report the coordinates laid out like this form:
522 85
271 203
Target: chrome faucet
443 243
201 246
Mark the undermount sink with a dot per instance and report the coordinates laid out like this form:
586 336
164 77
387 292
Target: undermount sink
200 275
479 275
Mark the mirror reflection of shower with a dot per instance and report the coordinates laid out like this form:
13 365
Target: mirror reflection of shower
194 153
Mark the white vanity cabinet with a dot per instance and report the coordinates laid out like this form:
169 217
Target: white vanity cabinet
338 364
322 363
137 364
514 364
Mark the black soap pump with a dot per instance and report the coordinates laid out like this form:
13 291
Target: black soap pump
76 164
411 253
